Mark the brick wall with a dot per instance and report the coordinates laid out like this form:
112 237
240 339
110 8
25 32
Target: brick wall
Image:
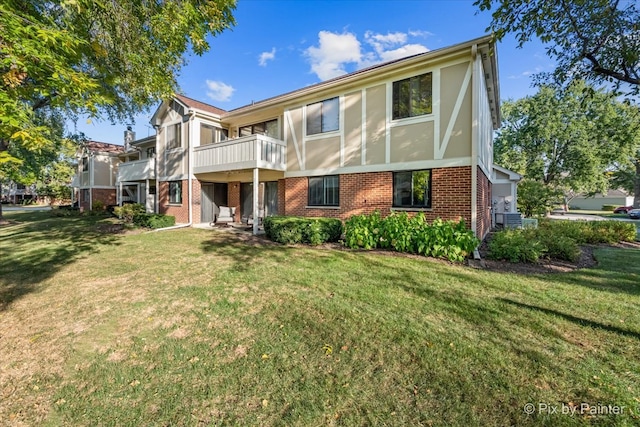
105 195
483 199
181 211
233 195
365 192
282 201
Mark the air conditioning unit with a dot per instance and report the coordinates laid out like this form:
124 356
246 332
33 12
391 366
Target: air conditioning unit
512 220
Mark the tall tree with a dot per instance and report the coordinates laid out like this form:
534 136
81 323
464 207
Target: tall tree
594 40
626 168
108 59
564 137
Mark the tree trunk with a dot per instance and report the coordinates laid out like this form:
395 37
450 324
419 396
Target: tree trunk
1 218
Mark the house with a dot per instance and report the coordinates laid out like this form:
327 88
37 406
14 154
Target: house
598 200
13 192
136 177
95 179
410 135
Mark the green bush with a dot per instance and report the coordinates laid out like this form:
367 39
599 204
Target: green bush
154 220
399 232
292 229
557 239
97 206
128 211
515 246
609 208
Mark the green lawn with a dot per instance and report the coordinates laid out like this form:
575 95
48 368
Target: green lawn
197 327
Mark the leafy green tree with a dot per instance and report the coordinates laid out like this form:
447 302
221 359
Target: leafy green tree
108 59
626 169
565 138
536 198
594 40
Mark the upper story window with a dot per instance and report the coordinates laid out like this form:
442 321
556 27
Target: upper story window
211 134
323 116
85 164
412 97
174 136
412 189
268 128
151 152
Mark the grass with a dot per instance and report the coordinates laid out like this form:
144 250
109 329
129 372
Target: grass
196 327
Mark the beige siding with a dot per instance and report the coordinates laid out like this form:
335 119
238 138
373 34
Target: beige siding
102 172
451 81
292 154
323 153
353 129
410 143
376 125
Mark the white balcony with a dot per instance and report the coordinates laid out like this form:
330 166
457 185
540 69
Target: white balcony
248 152
137 170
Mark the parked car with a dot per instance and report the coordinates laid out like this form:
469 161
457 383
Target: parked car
634 214
623 209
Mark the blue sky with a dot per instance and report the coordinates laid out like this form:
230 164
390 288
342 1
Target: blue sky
282 45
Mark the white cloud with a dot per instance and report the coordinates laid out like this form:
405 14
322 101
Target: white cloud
219 91
266 56
334 51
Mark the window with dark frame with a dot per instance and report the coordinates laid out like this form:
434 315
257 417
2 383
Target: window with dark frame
412 189
323 116
85 164
174 136
412 97
211 134
268 128
324 191
175 192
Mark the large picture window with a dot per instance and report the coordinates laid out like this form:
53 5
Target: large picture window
174 136
323 116
412 97
175 192
412 189
324 191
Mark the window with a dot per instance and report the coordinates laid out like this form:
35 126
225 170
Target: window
175 192
268 128
323 116
211 134
412 97
174 136
324 191
85 164
412 189
85 195
151 152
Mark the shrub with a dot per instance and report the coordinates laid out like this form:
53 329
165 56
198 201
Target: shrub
515 246
609 208
154 220
292 230
128 211
97 206
401 233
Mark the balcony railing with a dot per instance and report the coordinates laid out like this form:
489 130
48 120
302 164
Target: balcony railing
247 152
137 170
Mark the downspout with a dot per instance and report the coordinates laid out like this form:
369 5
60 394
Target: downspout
91 181
474 141
189 171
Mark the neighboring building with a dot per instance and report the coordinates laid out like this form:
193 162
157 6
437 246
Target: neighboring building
96 176
15 193
136 178
598 200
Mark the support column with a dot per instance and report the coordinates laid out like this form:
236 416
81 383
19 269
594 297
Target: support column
256 182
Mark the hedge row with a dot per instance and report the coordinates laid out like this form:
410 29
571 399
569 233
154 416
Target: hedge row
312 231
399 232
557 239
135 213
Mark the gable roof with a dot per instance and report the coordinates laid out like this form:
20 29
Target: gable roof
102 147
193 103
